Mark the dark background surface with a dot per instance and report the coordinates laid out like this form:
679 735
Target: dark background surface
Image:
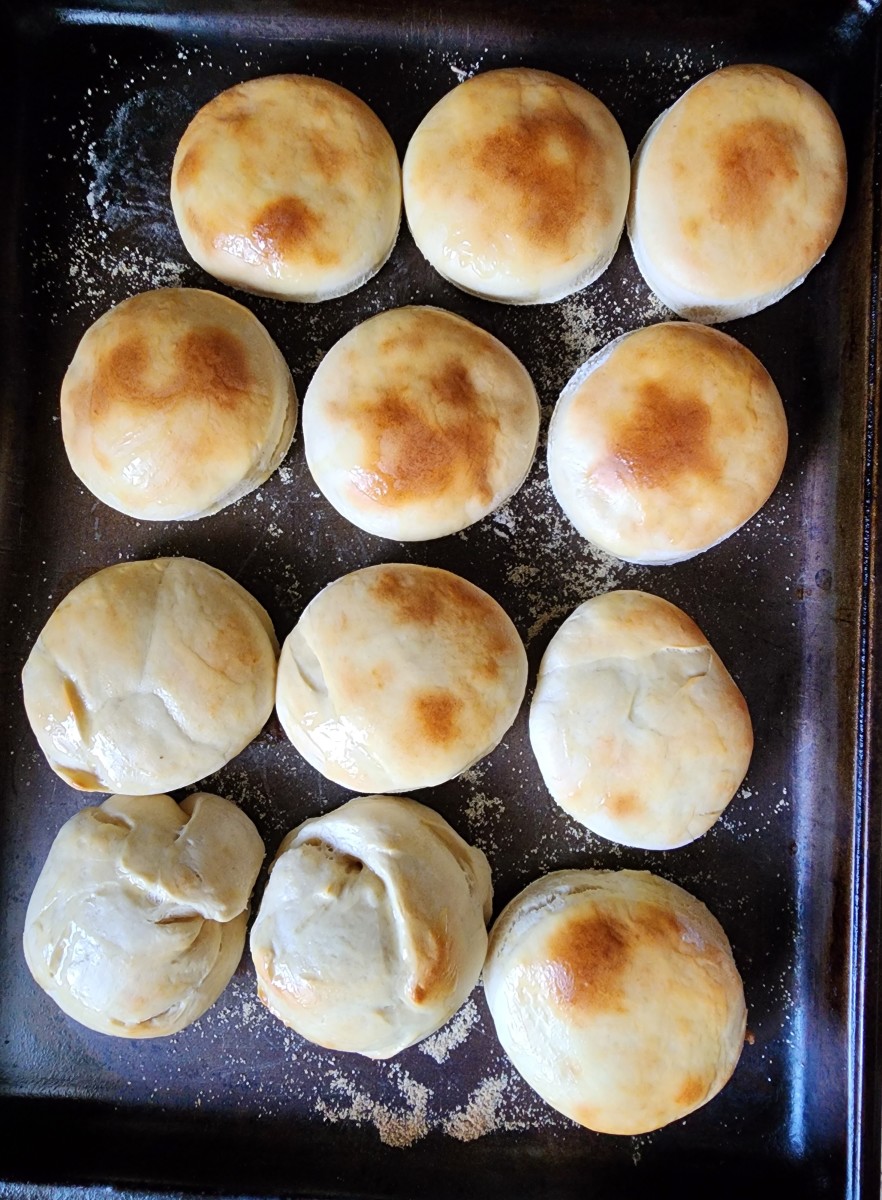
94 102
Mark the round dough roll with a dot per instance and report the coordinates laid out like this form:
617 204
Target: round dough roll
615 995
639 730
137 921
516 186
738 190
666 442
176 404
399 677
150 675
288 186
418 423
372 929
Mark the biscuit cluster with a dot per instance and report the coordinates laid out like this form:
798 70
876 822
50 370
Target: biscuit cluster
615 994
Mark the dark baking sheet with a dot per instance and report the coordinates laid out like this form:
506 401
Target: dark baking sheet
93 101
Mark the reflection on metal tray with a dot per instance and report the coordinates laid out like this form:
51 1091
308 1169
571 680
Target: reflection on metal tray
94 100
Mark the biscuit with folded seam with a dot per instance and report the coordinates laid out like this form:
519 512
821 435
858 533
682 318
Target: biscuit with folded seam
137 920
150 675
640 732
176 404
616 996
398 677
288 186
372 928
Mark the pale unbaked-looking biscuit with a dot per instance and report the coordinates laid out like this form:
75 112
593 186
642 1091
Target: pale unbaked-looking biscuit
288 186
738 191
150 675
418 423
371 931
665 442
516 186
639 730
176 404
137 921
616 996
399 677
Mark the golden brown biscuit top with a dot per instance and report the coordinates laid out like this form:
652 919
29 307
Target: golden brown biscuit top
418 423
523 166
683 422
288 176
173 400
741 185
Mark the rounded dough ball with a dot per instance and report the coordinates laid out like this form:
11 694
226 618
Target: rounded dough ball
516 185
739 189
639 730
371 932
615 995
137 921
665 442
418 423
176 404
399 677
288 186
149 676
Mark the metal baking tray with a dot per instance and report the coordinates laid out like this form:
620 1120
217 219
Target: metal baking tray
94 98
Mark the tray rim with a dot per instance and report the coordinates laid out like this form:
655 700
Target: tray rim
865 1000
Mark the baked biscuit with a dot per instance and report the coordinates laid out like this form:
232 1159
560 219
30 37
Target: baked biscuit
738 190
371 932
516 185
665 442
399 677
137 921
288 186
176 404
418 423
150 675
639 730
616 996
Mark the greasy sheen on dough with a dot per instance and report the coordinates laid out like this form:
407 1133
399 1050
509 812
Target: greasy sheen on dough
288 186
372 928
150 675
419 423
137 921
176 404
615 995
399 677
639 730
738 190
666 442
516 186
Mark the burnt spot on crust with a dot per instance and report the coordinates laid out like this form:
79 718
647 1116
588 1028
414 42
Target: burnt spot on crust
437 715
121 373
439 970
753 160
666 434
587 961
624 805
589 956
430 597
289 227
541 173
189 167
209 363
420 446
214 362
692 1092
